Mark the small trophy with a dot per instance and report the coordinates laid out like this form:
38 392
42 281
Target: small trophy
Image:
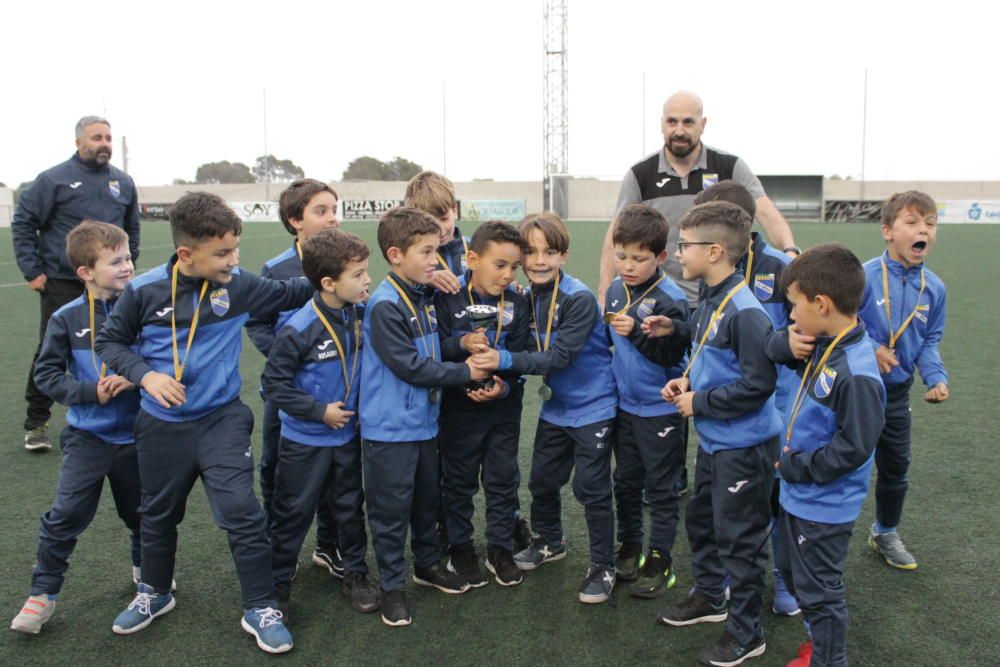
481 316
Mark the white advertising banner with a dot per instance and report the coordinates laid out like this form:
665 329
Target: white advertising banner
256 211
969 211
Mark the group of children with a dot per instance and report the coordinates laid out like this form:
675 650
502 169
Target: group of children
389 409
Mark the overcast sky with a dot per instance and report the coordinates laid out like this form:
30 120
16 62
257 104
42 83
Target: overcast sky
782 84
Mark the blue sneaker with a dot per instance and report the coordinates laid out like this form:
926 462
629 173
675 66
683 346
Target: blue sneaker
784 602
146 606
539 552
268 629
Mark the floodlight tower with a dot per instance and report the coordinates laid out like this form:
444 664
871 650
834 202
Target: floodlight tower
555 104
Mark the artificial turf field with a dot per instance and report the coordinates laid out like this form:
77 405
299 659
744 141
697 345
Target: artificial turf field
944 613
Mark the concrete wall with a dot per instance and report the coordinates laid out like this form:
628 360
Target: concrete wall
881 190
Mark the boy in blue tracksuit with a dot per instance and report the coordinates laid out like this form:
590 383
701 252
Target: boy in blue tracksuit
649 434
312 377
729 391
98 441
188 315
904 310
306 207
833 424
569 347
762 267
481 423
401 386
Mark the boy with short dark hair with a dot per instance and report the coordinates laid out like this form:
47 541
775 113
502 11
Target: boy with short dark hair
401 382
904 310
481 422
306 207
189 315
312 377
833 424
649 434
576 423
729 387
97 441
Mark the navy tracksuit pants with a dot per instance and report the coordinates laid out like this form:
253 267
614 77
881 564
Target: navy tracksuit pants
481 444
812 562
401 492
87 461
892 456
727 520
559 450
216 448
309 477
649 456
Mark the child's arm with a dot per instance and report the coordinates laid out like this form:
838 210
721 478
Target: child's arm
268 297
260 328
928 361
51 376
860 418
577 317
668 351
283 364
749 330
397 350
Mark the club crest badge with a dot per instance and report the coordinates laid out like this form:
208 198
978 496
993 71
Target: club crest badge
432 317
645 308
922 311
763 286
708 180
220 301
464 262
824 383
115 188
507 316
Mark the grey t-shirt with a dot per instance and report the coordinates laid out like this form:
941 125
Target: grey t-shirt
654 182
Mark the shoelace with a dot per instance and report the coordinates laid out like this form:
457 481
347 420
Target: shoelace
268 617
142 601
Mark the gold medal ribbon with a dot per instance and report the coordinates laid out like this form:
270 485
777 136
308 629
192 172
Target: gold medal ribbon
178 363
409 304
102 371
628 298
893 337
444 264
800 395
711 322
552 311
348 380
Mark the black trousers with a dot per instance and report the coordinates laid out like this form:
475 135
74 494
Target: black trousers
216 448
308 477
87 461
892 456
727 520
812 562
58 292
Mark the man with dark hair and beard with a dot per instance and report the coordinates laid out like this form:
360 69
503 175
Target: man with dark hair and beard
669 179
84 187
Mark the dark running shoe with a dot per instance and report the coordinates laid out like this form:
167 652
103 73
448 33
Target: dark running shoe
522 534
395 612
727 652
501 563
627 560
363 595
329 557
440 577
655 576
695 608
464 561
597 585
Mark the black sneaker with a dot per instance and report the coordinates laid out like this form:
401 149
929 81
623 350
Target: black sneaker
359 590
395 613
655 576
522 534
627 560
37 439
597 585
464 561
440 577
329 557
501 563
727 652
695 608
283 594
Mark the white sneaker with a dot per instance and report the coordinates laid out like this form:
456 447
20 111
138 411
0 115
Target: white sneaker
36 611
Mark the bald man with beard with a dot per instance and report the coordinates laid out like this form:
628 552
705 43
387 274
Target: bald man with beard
669 179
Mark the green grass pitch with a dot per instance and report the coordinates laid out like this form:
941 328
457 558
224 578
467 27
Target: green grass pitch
941 614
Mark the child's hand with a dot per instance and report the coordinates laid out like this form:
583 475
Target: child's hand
104 391
336 416
886 359
477 372
498 389
445 281
658 326
801 345
116 384
475 342
167 391
675 388
937 394
684 404
488 360
623 324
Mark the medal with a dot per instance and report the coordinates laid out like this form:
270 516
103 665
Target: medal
608 317
545 392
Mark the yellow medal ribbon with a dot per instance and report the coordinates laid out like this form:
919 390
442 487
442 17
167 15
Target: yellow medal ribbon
893 337
298 248
711 322
746 275
628 299
348 381
102 371
444 264
472 302
178 363
800 395
552 311
413 311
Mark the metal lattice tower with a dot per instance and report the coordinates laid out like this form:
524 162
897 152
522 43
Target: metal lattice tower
556 99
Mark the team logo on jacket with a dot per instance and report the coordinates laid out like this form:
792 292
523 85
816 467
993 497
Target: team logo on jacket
714 331
645 308
708 180
116 189
220 301
824 383
464 262
922 311
432 317
507 316
763 286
